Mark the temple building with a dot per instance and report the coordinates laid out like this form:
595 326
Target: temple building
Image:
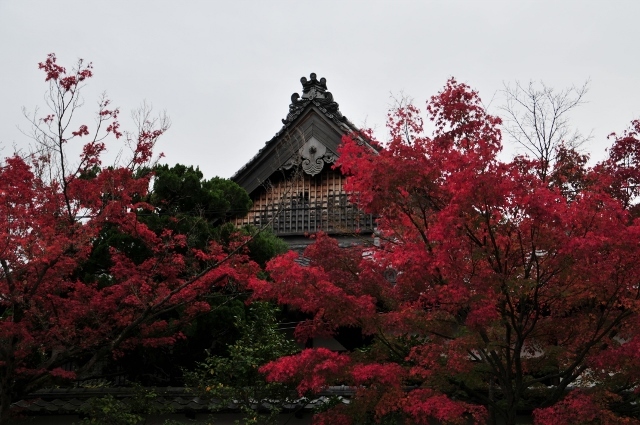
294 188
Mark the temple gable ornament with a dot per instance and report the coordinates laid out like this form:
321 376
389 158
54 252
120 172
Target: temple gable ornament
311 157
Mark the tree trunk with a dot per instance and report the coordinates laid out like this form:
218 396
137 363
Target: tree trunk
511 415
5 400
509 412
7 378
491 409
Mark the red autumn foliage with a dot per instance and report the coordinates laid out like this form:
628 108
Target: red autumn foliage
310 368
53 213
581 408
423 405
512 288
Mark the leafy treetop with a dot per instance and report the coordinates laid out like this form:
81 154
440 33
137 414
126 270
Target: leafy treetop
54 214
509 290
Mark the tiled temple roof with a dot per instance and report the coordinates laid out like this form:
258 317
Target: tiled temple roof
71 401
77 400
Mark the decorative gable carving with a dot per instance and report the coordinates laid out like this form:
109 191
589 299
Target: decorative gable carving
311 157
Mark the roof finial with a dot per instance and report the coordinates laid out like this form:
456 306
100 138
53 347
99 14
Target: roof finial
313 91
313 88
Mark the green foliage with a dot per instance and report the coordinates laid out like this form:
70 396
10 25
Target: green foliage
182 190
264 245
188 204
234 378
108 410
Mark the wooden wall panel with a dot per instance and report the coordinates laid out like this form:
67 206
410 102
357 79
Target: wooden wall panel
303 204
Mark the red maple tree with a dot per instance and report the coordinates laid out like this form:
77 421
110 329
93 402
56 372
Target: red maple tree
55 322
494 289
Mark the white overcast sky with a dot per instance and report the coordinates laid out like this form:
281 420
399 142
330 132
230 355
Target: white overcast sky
225 70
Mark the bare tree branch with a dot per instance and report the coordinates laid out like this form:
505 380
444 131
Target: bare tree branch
536 117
